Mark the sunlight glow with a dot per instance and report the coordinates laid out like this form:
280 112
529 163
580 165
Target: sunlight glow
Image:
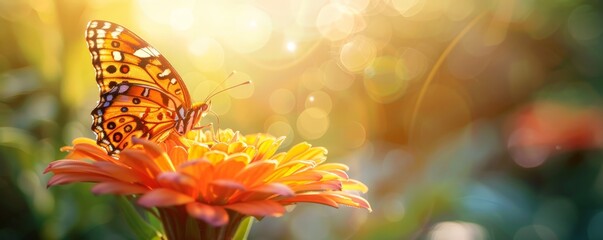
181 19
291 46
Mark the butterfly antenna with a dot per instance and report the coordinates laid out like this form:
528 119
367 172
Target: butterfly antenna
214 92
218 86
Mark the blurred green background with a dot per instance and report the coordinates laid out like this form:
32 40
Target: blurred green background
467 119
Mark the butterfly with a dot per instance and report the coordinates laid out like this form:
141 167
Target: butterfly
141 94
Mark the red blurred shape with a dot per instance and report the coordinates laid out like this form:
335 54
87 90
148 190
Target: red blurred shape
544 127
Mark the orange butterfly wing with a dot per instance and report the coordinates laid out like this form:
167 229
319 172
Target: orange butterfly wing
133 110
141 93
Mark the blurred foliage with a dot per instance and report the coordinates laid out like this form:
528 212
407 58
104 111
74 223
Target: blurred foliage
467 119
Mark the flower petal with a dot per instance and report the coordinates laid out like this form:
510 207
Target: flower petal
316 154
227 184
202 171
334 175
236 147
310 198
267 148
124 173
256 172
178 155
294 151
221 190
306 176
65 178
333 166
291 168
179 182
139 160
69 165
118 188
215 157
275 188
354 185
258 208
262 192
348 199
163 197
159 156
222 147
214 215
333 185
197 150
84 148
228 169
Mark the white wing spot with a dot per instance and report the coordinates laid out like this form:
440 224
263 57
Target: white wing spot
90 33
146 52
100 43
141 53
107 25
173 81
117 56
93 24
154 51
115 34
145 92
165 73
101 33
90 43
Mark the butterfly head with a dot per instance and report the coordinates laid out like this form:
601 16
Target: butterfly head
197 112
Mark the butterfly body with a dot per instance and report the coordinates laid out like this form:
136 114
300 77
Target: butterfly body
141 94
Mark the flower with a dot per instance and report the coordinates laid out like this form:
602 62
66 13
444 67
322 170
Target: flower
214 179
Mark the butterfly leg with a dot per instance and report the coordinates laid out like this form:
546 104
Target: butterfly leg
210 125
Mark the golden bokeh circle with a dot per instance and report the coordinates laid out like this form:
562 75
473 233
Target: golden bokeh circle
335 21
381 82
249 29
319 99
357 53
312 123
282 101
334 77
206 54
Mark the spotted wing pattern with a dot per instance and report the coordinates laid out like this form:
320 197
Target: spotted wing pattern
140 91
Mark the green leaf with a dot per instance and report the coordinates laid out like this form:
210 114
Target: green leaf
244 228
141 228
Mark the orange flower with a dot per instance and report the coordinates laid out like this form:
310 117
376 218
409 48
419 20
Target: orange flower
215 180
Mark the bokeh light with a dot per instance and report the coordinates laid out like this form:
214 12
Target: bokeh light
457 231
282 101
312 123
335 21
357 54
381 82
247 28
334 77
207 54
320 100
